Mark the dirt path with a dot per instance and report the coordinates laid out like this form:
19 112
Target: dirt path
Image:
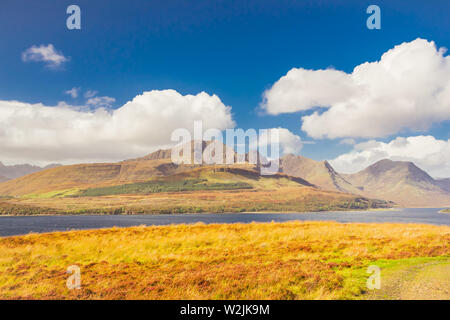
425 281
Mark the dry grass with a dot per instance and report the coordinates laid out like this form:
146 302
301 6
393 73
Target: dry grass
296 260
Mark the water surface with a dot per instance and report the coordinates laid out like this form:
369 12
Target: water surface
25 224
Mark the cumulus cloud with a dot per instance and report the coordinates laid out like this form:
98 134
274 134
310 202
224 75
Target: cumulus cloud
73 92
41 134
46 54
427 152
302 89
288 141
408 88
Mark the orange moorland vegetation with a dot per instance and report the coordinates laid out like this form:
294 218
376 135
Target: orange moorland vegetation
295 260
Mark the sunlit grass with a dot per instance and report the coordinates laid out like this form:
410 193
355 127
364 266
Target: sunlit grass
156 186
53 194
295 260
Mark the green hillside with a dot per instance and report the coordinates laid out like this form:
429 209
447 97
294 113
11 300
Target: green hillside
163 186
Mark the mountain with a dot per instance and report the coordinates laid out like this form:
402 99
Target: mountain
220 177
87 175
400 181
15 171
219 188
444 184
208 147
319 173
154 184
65 178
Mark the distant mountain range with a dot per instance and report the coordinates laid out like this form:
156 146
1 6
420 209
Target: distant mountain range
16 171
401 182
398 181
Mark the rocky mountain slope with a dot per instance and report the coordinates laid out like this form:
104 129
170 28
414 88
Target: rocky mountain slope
319 173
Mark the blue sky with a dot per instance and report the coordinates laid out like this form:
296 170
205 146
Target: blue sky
234 49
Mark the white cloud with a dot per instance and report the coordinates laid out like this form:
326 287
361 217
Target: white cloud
302 89
288 141
104 102
47 54
427 152
41 134
409 88
73 92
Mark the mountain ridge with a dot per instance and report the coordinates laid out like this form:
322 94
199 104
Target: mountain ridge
399 181
320 173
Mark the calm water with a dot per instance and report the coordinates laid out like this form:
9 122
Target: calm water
23 225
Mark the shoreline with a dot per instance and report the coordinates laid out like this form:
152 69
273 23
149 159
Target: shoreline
213 224
202 213
21 225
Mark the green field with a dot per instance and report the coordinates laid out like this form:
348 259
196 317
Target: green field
163 186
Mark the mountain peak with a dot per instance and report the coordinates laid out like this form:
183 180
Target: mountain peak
399 181
164 154
406 168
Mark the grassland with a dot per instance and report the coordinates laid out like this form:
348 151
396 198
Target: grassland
277 199
296 260
157 186
15 209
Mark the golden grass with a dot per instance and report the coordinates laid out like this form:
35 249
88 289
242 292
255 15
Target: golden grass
295 260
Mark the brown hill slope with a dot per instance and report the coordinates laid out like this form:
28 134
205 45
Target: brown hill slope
87 175
19 170
319 173
156 164
63 178
401 182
